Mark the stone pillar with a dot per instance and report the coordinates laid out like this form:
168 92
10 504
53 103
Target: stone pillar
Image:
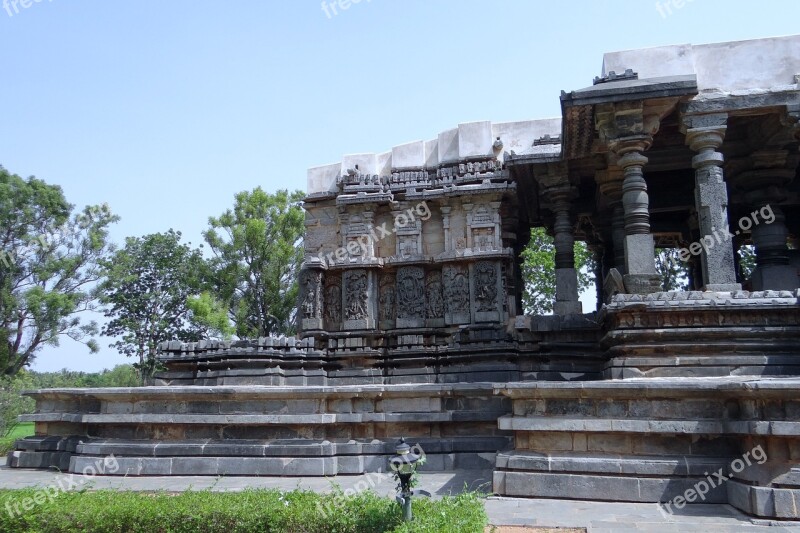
773 268
764 186
567 302
640 266
711 202
618 237
610 183
448 246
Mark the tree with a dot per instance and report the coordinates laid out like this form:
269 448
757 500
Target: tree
258 253
147 288
539 272
49 265
673 271
747 261
12 403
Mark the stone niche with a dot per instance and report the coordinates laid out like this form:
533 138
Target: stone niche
408 235
483 227
357 236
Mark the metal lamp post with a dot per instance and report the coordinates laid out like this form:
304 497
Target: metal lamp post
405 464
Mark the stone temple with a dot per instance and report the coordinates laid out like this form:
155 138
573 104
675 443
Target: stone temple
412 324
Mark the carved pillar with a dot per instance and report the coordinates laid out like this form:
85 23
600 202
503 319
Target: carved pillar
610 183
711 203
640 267
448 246
567 302
764 187
773 268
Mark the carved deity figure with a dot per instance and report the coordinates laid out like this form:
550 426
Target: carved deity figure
386 300
456 289
486 286
356 295
311 306
433 291
333 303
410 293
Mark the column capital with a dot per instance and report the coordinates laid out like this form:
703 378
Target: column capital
703 121
560 196
632 144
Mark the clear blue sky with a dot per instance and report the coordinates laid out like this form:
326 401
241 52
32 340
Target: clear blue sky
166 109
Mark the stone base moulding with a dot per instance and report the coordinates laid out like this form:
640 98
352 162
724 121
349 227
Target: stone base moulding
652 440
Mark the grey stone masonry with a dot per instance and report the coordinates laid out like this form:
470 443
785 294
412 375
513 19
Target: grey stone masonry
282 431
653 440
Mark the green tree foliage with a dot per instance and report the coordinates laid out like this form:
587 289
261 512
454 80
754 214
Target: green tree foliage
674 272
211 313
119 376
12 403
258 252
146 291
747 260
539 272
49 266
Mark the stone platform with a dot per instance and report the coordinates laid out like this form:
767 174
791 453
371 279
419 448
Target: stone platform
279 431
654 439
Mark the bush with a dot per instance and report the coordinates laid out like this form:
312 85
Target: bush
247 511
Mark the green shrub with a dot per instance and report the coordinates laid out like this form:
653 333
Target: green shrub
247 511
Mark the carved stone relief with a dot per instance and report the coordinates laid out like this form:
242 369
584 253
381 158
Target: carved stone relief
410 293
456 294
311 300
486 287
387 298
435 298
333 300
356 295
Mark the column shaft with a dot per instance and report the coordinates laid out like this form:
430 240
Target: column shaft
711 202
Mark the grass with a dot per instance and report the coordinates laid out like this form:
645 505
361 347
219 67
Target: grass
43 510
21 430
